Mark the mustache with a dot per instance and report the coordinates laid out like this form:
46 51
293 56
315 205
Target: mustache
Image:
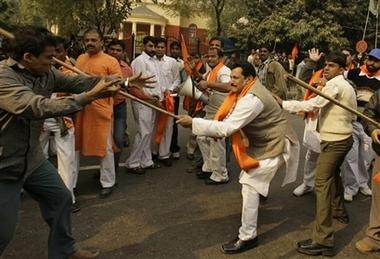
89 46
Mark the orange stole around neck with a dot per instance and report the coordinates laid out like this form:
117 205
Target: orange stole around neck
308 94
244 160
364 69
213 74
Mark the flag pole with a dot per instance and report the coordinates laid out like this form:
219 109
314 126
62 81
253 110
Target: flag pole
377 22
366 21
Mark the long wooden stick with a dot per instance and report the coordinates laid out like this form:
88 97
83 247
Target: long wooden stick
6 34
78 71
334 101
132 97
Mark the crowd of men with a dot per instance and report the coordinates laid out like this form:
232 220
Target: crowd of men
245 111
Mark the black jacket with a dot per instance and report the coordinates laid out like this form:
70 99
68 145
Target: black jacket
372 110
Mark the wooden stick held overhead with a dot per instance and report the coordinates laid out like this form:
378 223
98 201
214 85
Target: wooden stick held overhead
334 101
10 35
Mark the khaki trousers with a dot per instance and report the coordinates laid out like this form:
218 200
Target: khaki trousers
373 230
329 189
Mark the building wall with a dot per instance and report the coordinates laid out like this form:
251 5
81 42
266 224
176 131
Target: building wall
194 29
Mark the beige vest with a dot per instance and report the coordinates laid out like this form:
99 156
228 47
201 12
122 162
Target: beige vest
335 123
267 132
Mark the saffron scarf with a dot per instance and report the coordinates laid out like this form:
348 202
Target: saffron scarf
163 118
364 69
239 141
212 75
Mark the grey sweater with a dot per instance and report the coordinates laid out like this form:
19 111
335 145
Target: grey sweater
24 103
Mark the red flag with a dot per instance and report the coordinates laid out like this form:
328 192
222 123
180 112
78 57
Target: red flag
185 56
295 51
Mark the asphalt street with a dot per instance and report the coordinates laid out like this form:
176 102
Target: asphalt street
169 213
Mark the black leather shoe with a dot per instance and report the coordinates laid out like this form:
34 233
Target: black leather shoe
74 208
342 219
105 192
309 247
166 162
237 246
135 170
203 175
212 182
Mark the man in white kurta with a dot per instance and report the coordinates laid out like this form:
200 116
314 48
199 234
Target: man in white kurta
141 155
272 146
168 79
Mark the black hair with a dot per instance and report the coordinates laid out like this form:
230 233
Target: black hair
337 57
147 39
116 42
60 41
160 40
248 69
30 39
95 30
351 51
266 46
218 51
175 44
217 38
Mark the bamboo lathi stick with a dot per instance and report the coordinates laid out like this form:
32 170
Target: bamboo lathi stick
10 35
132 97
334 101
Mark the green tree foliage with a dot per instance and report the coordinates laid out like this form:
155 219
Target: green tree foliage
106 15
212 8
72 15
327 24
8 13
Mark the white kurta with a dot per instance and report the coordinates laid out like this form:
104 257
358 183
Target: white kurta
65 147
168 79
141 153
256 181
245 111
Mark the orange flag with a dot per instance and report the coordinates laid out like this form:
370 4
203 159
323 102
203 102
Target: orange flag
295 51
163 118
185 56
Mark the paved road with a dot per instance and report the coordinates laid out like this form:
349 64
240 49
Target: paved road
168 213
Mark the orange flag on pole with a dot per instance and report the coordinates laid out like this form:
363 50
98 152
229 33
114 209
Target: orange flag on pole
295 51
185 56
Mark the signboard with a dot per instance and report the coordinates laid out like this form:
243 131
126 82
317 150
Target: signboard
361 46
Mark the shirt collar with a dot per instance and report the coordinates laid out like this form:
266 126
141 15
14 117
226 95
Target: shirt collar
13 63
146 55
162 59
267 61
